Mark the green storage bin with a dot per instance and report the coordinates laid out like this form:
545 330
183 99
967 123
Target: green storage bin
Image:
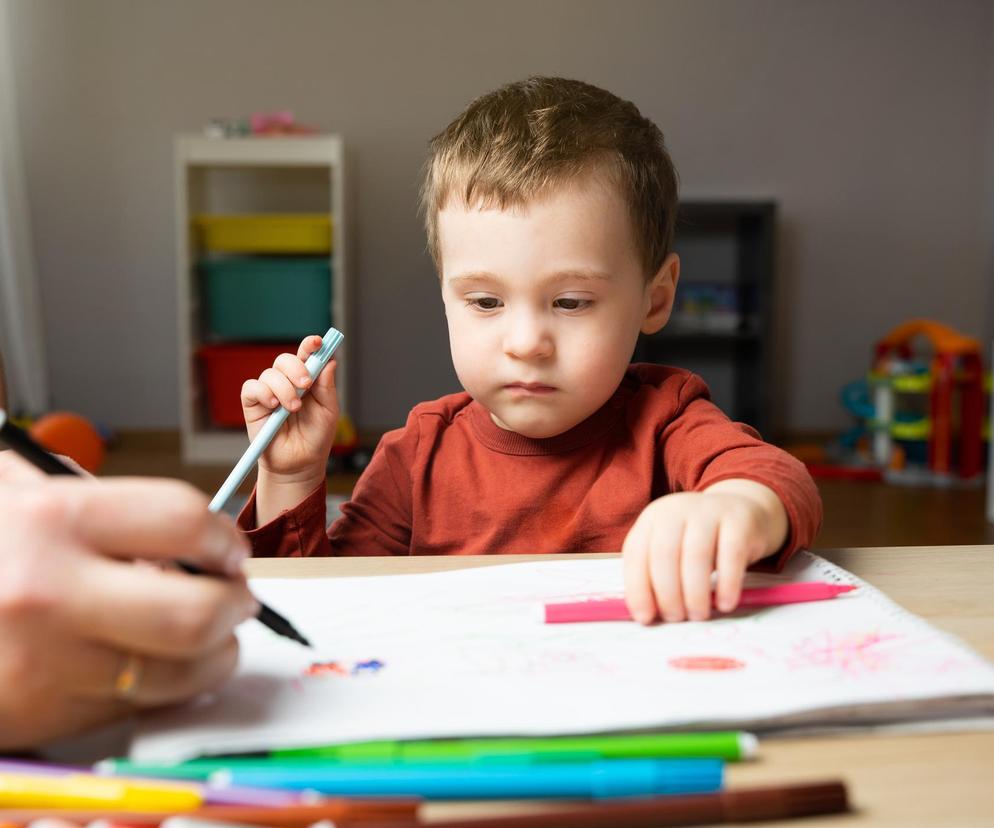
267 297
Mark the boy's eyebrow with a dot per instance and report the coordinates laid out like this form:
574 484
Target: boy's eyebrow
582 275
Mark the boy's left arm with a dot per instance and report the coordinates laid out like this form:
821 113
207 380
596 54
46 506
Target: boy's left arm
736 502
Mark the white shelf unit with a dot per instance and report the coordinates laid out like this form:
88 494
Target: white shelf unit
249 175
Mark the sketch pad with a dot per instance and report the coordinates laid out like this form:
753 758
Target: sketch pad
465 653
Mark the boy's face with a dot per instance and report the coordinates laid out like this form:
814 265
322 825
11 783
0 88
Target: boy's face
544 303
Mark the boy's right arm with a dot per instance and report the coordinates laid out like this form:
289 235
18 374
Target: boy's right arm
295 462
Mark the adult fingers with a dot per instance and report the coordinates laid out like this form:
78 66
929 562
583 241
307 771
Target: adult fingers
159 613
635 563
696 562
664 567
95 669
15 469
141 518
734 547
281 387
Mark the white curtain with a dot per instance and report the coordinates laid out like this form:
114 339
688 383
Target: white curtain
21 340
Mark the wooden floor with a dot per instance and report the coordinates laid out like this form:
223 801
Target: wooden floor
856 513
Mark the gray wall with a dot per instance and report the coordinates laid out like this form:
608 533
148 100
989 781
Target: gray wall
870 123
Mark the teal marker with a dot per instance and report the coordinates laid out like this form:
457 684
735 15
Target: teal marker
600 779
315 364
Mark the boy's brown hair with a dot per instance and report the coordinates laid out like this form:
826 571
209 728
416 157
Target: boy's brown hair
520 141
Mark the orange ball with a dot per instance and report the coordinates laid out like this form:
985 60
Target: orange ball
74 436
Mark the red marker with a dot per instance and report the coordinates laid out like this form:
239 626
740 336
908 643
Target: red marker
615 609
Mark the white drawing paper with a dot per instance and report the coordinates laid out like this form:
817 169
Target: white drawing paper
466 653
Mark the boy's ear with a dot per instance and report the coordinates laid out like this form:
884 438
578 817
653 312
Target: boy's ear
659 295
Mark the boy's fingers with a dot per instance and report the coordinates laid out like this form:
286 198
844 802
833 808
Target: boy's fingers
282 388
160 613
153 519
696 563
308 345
664 568
325 390
733 549
255 392
635 563
293 369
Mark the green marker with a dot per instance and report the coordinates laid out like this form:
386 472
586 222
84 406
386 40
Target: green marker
731 746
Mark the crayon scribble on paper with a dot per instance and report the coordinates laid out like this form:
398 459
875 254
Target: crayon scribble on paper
342 669
852 654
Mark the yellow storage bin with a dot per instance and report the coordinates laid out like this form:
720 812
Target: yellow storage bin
265 233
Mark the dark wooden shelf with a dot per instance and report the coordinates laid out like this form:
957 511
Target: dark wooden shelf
726 250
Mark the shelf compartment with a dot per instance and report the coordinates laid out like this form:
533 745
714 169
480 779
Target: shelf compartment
302 233
269 298
225 369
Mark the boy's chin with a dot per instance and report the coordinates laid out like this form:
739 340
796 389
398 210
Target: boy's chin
535 428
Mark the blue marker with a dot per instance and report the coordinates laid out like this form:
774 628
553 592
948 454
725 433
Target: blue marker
602 779
315 365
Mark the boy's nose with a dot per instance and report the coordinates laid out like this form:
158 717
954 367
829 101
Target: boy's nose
527 338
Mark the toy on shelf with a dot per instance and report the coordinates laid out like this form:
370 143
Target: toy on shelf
920 420
706 307
346 453
281 122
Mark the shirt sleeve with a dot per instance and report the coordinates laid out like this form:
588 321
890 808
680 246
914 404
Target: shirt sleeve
701 447
296 533
376 521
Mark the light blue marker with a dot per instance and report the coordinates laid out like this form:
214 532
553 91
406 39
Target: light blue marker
315 365
607 778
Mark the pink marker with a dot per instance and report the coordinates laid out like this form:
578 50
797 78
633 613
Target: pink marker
615 609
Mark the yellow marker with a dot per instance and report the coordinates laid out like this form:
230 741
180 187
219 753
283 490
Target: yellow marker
83 791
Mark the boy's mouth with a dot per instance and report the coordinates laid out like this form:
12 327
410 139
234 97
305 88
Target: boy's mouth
529 388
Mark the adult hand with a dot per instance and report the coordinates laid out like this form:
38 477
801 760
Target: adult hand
86 635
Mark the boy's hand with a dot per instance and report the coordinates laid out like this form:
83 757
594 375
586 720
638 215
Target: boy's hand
300 450
679 539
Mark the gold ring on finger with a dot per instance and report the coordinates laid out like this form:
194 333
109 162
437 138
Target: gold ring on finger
129 677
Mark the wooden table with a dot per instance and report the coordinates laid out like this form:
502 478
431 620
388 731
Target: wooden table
944 779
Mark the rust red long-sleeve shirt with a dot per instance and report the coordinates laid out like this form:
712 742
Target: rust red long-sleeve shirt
452 482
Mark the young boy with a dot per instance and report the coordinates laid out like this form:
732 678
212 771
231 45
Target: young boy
549 206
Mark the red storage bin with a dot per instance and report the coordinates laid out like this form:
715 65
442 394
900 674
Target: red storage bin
225 369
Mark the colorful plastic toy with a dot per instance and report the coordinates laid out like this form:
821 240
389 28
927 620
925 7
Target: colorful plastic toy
920 419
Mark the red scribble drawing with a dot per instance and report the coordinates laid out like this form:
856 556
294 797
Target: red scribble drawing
852 654
706 663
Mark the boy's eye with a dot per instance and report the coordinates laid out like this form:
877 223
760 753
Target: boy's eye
571 303
485 303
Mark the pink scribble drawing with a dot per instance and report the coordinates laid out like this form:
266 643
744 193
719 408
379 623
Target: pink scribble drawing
852 654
